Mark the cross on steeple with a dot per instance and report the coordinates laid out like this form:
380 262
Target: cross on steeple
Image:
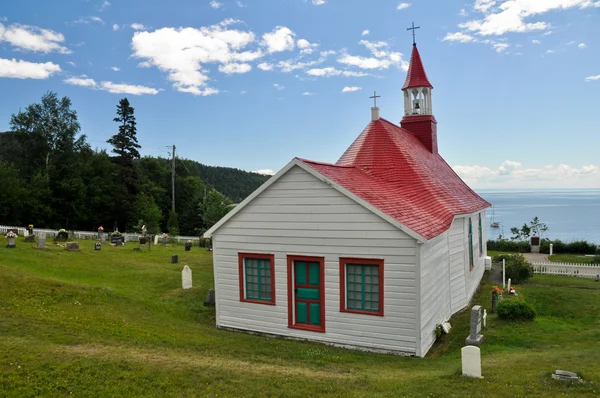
374 97
413 32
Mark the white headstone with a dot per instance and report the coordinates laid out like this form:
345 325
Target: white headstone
484 319
503 274
508 287
186 278
156 239
471 361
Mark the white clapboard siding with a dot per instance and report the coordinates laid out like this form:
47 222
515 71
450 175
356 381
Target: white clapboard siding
301 215
473 276
456 247
435 288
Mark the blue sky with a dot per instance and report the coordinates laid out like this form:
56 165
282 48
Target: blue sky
253 83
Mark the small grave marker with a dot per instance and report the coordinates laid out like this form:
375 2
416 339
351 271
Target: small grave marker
186 278
475 337
508 287
471 361
72 246
564 375
41 243
98 246
174 259
188 246
210 298
155 239
484 319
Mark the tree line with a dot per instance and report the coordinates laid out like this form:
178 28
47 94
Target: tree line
51 177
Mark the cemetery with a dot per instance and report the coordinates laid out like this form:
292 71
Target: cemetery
107 320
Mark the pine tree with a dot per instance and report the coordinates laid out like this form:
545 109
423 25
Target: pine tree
125 142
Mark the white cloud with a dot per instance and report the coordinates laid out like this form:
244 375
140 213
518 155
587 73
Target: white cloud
32 38
536 42
294 64
463 13
73 64
11 68
231 68
267 172
592 78
265 66
325 54
87 20
506 16
116 27
383 57
306 46
240 4
137 26
365 32
549 51
500 47
459 36
82 81
351 89
328 72
308 94
3 19
183 53
511 174
115 68
582 45
105 5
319 2
278 86
281 39
403 6
123 88
215 4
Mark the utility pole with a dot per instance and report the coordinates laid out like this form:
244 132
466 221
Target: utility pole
173 179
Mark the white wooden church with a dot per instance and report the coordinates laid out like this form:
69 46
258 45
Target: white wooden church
371 252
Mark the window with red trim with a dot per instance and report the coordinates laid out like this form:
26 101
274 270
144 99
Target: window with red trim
361 286
257 278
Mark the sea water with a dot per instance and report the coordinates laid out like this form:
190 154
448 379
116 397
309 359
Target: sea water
569 214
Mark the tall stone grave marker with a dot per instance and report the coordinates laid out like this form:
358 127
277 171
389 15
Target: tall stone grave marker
475 336
41 241
471 361
186 278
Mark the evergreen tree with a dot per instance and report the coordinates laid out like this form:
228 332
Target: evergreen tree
125 141
126 183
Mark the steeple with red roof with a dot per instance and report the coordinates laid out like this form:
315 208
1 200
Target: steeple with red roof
418 114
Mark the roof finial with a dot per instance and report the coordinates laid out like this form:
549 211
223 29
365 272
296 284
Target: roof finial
413 32
374 97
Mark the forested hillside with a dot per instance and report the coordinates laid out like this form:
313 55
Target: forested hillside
50 177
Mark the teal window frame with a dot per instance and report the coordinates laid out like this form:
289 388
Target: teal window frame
480 237
361 286
257 278
471 261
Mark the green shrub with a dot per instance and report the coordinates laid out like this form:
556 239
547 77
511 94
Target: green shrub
596 259
517 267
502 245
515 310
578 247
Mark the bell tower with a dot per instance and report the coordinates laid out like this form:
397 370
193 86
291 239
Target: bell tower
418 106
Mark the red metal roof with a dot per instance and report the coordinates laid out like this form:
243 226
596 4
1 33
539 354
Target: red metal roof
392 170
416 76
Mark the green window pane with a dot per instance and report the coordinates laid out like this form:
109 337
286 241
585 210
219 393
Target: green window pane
300 273
301 313
362 287
315 314
258 279
314 274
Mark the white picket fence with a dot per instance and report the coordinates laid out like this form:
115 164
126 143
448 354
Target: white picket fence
89 235
567 269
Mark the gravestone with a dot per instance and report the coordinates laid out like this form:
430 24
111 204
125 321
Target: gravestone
210 298
475 336
471 361
564 375
11 243
174 259
508 286
98 246
103 238
72 246
41 242
188 246
155 239
30 239
484 319
164 240
186 278
597 278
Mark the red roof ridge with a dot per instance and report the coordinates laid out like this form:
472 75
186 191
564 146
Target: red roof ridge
322 163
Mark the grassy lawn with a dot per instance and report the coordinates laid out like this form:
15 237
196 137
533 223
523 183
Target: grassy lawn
116 322
570 258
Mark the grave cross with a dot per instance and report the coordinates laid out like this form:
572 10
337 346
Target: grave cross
374 97
413 28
